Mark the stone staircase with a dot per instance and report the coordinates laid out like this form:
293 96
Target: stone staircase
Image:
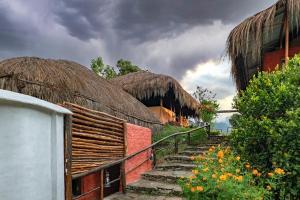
161 182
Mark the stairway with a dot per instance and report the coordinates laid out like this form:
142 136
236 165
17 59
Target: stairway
161 182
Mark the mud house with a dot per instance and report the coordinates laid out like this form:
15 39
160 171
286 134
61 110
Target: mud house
106 123
264 41
162 94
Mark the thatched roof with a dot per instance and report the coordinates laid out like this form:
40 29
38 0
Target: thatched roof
150 88
258 34
61 81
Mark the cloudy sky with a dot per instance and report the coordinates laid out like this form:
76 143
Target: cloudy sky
182 38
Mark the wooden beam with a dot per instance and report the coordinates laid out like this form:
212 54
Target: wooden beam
287 33
68 156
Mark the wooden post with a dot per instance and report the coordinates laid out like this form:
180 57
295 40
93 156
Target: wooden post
176 144
189 138
101 184
123 172
68 156
287 33
161 106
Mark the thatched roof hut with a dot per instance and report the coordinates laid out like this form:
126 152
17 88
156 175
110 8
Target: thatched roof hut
61 81
151 88
261 33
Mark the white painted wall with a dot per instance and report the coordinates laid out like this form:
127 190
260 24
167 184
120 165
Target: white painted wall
31 148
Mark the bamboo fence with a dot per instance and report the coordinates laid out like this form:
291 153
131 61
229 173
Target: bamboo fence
97 138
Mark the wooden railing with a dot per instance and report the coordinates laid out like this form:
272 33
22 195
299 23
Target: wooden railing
152 147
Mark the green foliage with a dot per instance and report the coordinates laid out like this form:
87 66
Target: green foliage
268 130
208 110
209 106
103 70
220 174
108 72
126 67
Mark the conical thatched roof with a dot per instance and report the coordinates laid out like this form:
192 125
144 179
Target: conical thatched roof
146 86
260 33
61 81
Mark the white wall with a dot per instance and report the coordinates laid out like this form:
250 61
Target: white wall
31 152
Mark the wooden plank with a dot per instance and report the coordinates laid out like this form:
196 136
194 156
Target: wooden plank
101 185
68 156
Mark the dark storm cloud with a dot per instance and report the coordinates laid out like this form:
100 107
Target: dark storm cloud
12 36
142 20
83 19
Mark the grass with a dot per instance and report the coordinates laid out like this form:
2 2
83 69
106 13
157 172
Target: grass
167 147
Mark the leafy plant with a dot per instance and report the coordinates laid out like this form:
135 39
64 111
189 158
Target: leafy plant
221 174
267 131
126 67
101 69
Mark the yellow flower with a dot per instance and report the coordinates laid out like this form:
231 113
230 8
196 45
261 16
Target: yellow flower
205 169
204 179
192 189
237 170
220 154
199 188
255 172
222 169
238 178
259 174
270 174
192 177
223 177
214 176
238 158
269 187
196 172
229 174
279 171
220 161
181 177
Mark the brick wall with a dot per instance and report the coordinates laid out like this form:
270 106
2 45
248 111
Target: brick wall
137 138
274 58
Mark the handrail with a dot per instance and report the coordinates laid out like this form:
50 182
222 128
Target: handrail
136 153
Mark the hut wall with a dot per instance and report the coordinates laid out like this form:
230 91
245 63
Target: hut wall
137 138
163 114
274 58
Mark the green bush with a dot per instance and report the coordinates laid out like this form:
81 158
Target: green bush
221 174
267 132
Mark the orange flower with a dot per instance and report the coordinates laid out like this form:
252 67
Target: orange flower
279 171
192 189
255 172
238 178
220 154
199 188
214 176
223 177
247 166
270 174
196 172
192 158
238 158
192 177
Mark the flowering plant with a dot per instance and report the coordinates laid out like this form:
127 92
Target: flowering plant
220 174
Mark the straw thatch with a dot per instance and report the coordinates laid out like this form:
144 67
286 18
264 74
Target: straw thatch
245 42
61 81
145 85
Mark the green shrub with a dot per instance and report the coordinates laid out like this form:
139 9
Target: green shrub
221 174
267 132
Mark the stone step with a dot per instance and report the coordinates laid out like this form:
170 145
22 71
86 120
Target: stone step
197 148
175 166
166 176
192 153
137 196
154 188
179 159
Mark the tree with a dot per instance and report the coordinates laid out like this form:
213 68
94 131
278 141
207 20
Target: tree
203 94
209 106
103 70
126 67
